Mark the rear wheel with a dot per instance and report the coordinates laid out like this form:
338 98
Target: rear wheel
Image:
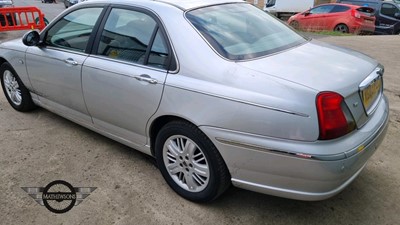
294 24
15 91
190 163
342 28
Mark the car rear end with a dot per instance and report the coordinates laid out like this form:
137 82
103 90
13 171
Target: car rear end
352 114
313 114
363 20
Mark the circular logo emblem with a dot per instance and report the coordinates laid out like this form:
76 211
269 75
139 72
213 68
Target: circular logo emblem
59 196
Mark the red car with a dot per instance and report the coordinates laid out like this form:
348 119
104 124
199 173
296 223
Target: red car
335 17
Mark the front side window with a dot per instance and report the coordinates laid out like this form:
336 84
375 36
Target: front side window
339 8
73 30
389 10
241 31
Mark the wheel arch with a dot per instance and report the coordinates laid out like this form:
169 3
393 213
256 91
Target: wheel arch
2 60
156 126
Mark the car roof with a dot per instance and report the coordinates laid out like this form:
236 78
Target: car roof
188 4
182 4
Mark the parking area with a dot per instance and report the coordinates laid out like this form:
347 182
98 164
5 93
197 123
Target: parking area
39 147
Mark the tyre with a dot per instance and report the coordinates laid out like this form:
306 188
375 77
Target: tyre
294 24
341 28
190 163
15 91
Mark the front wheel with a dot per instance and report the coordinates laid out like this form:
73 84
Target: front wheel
15 91
190 163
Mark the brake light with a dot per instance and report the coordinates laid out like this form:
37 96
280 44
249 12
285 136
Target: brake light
333 116
355 14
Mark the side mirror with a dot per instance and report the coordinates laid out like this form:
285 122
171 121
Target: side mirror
306 13
32 38
397 15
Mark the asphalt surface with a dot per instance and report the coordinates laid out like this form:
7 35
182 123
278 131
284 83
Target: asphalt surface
39 147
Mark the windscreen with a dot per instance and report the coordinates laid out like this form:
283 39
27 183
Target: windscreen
241 31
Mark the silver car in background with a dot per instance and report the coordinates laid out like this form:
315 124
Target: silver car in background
218 91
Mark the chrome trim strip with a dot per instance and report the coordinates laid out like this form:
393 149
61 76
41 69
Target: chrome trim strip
371 77
281 152
125 63
242 101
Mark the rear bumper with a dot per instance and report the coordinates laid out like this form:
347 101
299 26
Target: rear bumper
362 27
257 164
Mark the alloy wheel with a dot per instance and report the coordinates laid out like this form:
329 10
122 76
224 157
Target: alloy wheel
342 28
186 163
12 87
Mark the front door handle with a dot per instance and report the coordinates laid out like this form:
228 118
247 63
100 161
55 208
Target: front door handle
146 78
71 61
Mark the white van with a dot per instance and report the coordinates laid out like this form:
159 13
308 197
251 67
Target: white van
287 7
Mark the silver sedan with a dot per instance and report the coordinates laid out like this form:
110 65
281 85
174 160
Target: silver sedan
217 91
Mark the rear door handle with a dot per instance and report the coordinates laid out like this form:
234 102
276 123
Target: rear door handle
71 61
146 78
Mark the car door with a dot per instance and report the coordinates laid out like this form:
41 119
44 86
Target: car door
315 18
123 79
55 66
387 20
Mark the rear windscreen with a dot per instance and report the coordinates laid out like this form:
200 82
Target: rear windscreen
366 10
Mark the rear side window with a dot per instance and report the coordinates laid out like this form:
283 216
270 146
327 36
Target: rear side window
133 36
339 8
322 9
126 35
159 52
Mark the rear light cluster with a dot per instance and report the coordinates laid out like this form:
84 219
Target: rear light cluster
355 14
334 117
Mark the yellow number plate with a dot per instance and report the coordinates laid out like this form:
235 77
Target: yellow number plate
370 93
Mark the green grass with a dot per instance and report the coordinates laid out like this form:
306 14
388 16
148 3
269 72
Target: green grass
332 33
